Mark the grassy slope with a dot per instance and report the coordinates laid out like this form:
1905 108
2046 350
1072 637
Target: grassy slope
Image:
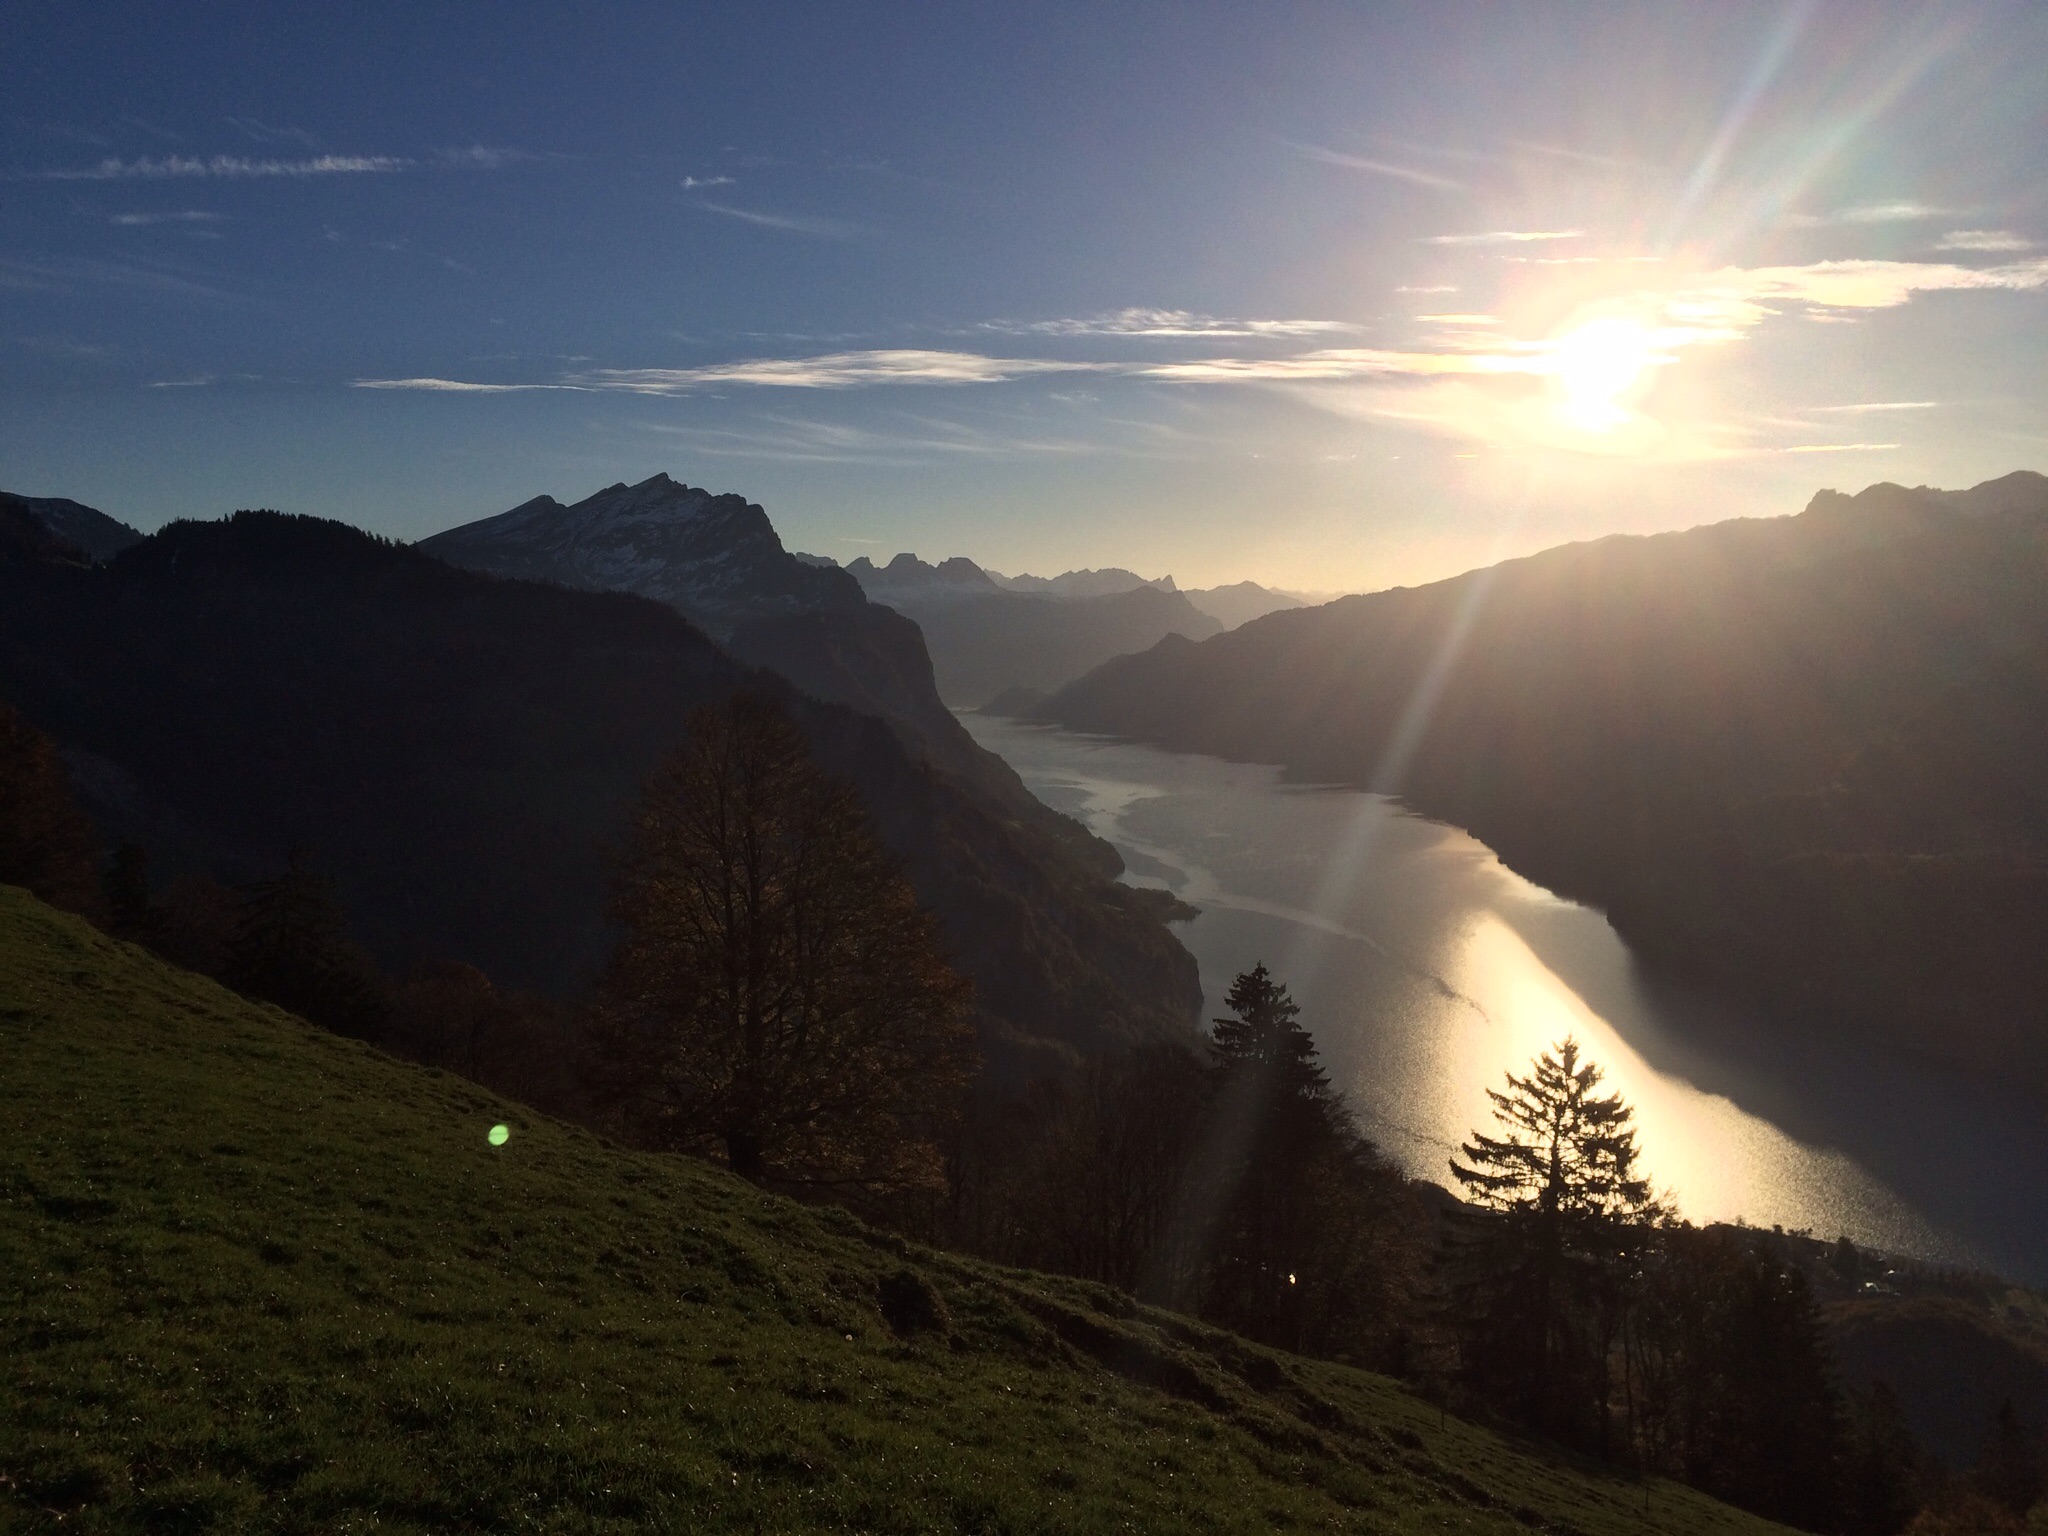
257 1276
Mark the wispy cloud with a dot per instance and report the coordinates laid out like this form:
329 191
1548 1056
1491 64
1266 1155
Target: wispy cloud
788 223
1428 288
1407 173
1505 237
1470 379
174 167
181 216
835 370
198 381
1742 296
785 439
451 386
1341 364
1869 213
697 183
1164 323
1983 240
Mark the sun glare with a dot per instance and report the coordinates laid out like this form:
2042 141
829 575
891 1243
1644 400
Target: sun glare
1596 365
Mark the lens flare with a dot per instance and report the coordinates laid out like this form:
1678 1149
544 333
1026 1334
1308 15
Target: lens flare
1596 365
500 1134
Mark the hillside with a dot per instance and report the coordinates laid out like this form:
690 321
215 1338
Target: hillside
87 528
260 1278
1240 602
459 752
719 562
1800 760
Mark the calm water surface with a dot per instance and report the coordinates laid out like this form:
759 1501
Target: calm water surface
1426 969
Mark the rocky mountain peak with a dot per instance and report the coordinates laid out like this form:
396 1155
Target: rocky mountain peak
908 574
715 557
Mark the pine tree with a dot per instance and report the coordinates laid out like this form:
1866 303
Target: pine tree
778 998
1538 1280
1277 1131
1568 1154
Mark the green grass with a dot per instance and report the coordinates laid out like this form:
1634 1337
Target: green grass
255 1277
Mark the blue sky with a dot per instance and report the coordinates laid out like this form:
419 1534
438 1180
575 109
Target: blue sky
1325 296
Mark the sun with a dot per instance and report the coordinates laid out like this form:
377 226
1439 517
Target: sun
1596 365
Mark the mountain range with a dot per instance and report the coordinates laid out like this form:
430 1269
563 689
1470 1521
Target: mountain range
996 639
1801 761
459 749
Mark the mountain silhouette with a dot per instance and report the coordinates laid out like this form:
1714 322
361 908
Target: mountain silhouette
460 751
1803 761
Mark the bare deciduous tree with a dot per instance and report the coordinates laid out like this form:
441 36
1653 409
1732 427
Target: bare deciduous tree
778 999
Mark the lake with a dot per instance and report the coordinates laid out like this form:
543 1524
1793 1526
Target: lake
1426 969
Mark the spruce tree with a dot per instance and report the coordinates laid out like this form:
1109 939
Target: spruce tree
1276 1123
1568 1154
1538 1279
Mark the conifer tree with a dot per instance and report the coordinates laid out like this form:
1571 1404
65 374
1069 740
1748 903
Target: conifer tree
1537 1280
1568 1154
1278 1131
778 998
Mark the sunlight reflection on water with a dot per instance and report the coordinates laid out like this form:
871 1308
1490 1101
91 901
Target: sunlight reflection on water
1427 970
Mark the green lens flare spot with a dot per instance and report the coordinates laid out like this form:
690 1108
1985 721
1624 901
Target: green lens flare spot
500 1134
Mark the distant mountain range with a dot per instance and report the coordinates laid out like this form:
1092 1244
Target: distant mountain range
1072 584
908 578
997 640
459 749
1803 761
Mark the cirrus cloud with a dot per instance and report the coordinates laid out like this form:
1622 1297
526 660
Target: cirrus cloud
1164 323
177 167
1983 240
1505 237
